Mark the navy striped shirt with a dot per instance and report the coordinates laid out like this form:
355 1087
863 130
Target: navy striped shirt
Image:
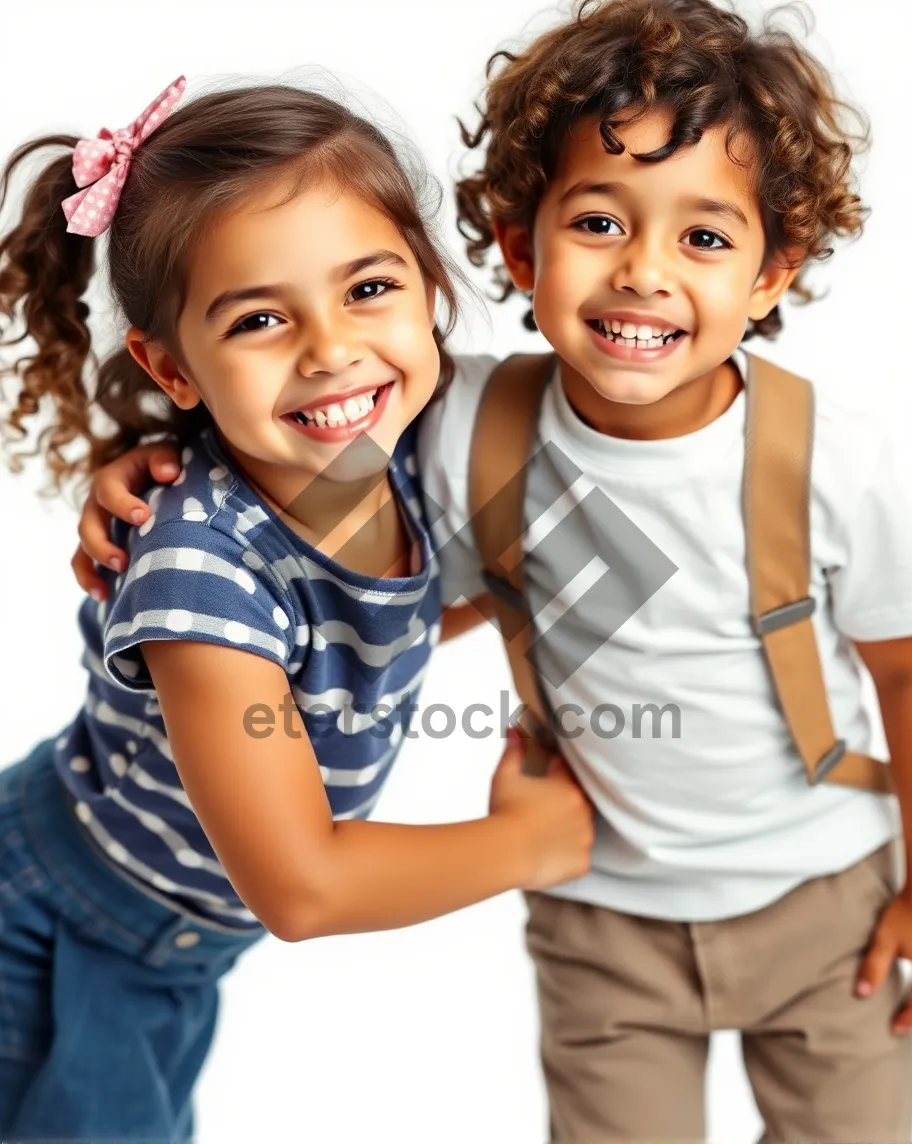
215 564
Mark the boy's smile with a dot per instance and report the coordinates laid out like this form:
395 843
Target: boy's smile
645 275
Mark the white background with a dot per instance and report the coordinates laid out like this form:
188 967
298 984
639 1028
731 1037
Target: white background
427 1034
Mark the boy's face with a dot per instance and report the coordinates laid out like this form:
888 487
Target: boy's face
620 245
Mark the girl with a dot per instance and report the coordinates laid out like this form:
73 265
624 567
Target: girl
247 674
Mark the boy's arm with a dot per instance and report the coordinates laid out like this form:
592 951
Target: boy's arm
113 492
890 665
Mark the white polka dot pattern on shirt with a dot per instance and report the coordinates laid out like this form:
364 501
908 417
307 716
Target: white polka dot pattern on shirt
179 620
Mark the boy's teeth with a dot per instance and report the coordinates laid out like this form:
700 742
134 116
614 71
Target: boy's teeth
629 334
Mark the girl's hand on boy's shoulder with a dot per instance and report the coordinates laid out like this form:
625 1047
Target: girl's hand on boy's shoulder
892 940
113 493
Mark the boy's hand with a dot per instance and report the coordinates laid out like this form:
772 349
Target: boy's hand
113 494
892 939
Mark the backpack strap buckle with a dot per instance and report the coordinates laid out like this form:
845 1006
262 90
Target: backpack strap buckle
784 616
826 762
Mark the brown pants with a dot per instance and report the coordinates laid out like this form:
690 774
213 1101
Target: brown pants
628 1003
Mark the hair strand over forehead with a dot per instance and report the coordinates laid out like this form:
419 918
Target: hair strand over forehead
700 62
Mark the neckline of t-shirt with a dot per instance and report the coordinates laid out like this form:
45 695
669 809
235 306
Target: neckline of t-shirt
384 585
655 461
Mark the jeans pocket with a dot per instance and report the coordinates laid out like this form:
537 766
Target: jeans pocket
19 875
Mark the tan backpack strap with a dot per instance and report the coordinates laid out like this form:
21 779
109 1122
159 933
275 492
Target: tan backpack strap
777 499
503 441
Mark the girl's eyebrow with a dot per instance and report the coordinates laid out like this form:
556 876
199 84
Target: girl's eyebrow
347 270
377 258
245 294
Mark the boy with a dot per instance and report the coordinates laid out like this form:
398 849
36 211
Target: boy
725 890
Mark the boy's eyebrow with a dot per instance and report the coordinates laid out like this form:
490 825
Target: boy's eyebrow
588 188
723 207
348 270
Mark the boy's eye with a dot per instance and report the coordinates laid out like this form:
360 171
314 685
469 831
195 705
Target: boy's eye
252 322
596 224
706 238
364 291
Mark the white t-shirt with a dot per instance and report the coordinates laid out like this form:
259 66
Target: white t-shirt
714 817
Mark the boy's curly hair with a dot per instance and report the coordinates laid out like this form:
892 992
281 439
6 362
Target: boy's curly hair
703 64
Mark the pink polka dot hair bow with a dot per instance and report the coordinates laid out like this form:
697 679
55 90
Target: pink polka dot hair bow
100 165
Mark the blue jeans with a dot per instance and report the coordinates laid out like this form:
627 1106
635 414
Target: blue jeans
108 995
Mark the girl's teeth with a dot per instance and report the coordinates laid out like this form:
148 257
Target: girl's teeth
353 409
334 415
615 327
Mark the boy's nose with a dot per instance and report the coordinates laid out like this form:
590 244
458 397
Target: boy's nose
642 269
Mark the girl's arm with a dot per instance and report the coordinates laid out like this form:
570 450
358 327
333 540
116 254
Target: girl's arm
461 618
252 778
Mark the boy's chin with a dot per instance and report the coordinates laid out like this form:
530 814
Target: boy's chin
628 386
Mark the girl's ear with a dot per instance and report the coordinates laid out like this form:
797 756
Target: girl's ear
162 367
431 293
516 248
777 274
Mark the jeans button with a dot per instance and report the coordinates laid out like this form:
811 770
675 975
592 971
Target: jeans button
187 939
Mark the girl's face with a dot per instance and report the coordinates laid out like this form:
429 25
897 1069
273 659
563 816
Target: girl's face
307 323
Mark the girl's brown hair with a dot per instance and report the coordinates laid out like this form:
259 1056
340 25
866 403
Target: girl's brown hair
703 64
208 156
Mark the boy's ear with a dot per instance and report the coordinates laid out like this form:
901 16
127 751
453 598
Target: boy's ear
777 274
516 247
162 367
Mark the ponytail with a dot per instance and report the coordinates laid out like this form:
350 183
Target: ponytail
44 272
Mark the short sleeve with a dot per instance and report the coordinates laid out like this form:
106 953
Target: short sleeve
444 443
188 581
872 592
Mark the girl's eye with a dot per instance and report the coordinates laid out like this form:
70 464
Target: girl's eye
364 291
596 224
252 322
706 239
